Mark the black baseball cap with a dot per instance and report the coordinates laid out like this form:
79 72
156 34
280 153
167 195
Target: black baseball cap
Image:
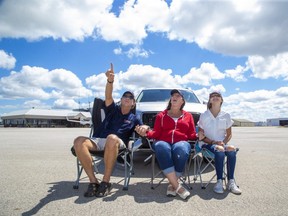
176 91
215 92
128 92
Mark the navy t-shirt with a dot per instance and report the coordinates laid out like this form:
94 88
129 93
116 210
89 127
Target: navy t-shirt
117 123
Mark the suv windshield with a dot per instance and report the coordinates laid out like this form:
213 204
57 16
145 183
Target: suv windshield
160 95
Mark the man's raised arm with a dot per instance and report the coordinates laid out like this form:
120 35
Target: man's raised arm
109 86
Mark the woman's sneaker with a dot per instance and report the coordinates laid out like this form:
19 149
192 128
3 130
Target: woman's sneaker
233 187
218 188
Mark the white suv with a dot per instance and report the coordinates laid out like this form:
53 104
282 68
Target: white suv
151 101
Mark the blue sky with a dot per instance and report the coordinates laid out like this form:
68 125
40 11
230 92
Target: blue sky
53 54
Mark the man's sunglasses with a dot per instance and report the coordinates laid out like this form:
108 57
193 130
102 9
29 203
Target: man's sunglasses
128 96
215 95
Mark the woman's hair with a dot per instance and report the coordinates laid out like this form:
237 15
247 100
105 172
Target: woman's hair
170 104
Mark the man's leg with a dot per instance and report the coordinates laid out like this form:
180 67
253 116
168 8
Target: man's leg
110 155
82 145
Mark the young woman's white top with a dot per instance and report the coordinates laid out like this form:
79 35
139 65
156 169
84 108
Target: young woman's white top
215 128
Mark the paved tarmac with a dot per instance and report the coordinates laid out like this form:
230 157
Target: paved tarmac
37 173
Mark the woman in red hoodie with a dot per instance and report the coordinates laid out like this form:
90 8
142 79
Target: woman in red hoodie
172 129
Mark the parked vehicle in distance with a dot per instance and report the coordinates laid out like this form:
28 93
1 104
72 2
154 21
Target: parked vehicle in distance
151 101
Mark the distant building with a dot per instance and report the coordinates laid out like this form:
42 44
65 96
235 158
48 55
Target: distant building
46 118
261 123
243 123
277 122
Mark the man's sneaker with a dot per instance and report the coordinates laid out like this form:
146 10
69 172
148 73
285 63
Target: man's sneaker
103 189
218 188
233 187
92 189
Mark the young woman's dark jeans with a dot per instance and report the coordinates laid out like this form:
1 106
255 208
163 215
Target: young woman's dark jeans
219 161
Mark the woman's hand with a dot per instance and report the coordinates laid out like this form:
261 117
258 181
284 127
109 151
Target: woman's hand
220 143
201 135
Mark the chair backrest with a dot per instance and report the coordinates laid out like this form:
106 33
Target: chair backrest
98 114
97 117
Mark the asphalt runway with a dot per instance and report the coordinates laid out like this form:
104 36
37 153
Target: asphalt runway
37 173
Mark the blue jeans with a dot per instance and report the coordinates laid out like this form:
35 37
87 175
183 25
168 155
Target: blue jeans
172 157
219 161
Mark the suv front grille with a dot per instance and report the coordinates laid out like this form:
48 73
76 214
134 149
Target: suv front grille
149 119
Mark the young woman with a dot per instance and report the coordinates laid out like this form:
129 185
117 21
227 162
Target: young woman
215 132
172 129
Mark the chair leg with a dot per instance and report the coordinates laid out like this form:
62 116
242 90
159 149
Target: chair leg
128 168
197 169
153 170
154 175
187 168
79 172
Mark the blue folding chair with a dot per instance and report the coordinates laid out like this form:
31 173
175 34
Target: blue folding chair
204 159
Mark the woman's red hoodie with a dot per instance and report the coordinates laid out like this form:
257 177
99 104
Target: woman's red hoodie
168 130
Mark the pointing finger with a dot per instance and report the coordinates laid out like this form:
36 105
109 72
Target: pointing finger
111 67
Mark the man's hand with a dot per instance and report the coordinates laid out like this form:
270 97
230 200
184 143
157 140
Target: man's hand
110 74
109 85
142 130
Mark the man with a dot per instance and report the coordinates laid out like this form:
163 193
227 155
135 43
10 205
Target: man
116 129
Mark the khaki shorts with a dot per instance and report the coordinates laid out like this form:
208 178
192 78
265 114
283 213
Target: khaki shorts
100 143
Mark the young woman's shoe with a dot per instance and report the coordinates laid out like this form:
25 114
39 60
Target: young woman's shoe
184 194
170 191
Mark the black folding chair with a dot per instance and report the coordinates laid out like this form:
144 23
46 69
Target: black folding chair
124 155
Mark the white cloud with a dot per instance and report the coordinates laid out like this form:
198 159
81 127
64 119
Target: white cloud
135 78
38 104
146 76
258 105
203 75
7 61
65 104
118 51
204 92
135 51
237 74
135 20
67 20
229 27
40 83
270 66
